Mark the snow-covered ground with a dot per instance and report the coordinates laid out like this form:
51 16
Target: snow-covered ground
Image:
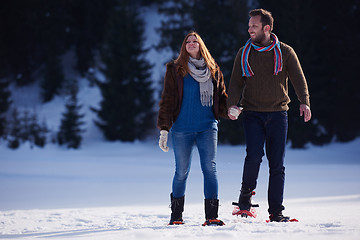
322 219
121 191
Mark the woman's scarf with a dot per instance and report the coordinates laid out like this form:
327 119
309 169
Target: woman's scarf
201 73
246 69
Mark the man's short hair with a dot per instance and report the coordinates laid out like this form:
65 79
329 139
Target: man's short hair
266 17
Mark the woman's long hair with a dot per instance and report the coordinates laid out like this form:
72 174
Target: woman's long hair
183 58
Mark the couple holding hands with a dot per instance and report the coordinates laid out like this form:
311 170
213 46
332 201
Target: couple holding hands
194 97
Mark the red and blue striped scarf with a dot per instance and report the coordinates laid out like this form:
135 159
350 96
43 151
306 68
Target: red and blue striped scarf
246 69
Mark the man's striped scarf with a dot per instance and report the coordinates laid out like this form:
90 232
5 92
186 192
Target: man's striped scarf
246 69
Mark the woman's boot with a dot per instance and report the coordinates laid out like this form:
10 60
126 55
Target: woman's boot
211 213
177 208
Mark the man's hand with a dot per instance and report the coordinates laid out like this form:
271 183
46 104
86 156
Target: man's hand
305 111
234 112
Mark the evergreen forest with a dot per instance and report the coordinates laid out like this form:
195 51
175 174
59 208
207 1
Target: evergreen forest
109 36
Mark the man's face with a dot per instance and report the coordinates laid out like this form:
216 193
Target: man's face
256 30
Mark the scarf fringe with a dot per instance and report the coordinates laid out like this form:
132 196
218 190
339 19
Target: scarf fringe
201 73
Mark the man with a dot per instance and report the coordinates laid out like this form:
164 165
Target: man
260 81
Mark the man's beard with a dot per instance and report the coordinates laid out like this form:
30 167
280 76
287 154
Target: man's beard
259 38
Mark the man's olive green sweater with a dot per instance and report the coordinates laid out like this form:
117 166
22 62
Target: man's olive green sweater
266 92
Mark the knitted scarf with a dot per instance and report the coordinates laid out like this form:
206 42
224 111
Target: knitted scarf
246 69
201 73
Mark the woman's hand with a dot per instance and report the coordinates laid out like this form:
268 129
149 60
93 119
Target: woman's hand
163 140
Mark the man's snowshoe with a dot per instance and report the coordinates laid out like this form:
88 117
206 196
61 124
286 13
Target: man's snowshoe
279 217
213 222
244 213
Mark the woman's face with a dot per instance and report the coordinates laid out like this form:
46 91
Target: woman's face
192 46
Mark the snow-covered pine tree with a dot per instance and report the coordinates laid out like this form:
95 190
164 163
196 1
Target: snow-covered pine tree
70 129
126 110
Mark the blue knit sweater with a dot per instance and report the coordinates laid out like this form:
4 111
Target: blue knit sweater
193 116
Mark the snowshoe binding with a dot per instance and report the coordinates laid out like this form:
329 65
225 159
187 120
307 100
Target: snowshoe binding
244 213
244 207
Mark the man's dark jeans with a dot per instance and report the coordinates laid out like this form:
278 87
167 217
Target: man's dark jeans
269 128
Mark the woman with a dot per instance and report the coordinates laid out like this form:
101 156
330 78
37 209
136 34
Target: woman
192 100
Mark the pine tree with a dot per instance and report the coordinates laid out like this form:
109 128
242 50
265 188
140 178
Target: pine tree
24 117
37 132
126 110
5 104
178 23
31 27
24 127
14 136
70 129
53 78
88 18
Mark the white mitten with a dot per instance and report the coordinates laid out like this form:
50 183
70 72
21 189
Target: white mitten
235 112
163 140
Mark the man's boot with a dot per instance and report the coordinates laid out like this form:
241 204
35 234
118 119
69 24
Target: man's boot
244 207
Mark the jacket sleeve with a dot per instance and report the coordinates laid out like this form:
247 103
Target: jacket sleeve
222 95
167 101
237 82
297 78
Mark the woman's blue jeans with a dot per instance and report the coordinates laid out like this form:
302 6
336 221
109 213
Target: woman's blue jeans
183 143
269 128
